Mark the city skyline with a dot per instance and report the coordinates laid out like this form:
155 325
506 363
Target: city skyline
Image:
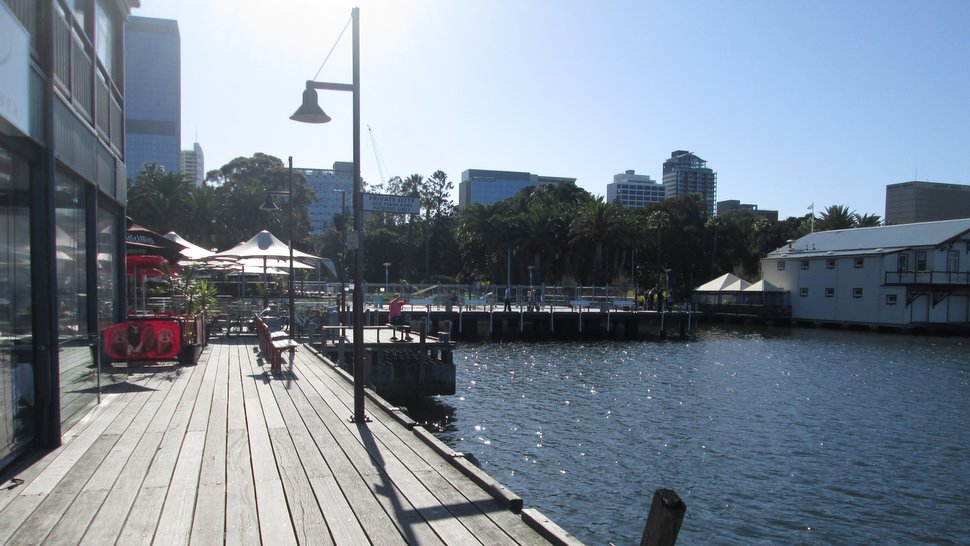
791 104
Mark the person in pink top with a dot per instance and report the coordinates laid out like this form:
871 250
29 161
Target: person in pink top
394 310
394 316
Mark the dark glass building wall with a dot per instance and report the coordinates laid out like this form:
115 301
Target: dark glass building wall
61 218
17 401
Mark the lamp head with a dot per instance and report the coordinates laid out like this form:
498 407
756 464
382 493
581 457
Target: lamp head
269 205
310 111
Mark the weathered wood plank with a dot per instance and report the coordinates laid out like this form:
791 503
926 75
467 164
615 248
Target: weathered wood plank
209 522
274 518
351 506
52 508
242 521
399 481
175 523
136 498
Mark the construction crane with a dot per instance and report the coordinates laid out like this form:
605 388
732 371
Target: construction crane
377 154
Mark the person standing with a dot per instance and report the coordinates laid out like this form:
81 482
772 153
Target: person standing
508 298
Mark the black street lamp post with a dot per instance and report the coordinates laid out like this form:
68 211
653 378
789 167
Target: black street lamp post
310 112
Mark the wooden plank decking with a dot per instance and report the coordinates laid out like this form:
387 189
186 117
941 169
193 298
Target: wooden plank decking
223 452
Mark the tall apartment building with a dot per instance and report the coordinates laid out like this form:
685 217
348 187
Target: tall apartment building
192 164
910 202
685 173
488 187
334 188
634 191
62 215
153 85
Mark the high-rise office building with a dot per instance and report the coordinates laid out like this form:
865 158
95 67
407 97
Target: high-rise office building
192 164
488 187
634 191
910 202
334 188
685 173
153 82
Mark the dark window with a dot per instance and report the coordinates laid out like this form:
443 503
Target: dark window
859 262
856 292
803 292
805 264
890 299
829 292
830 263
921 261
781 266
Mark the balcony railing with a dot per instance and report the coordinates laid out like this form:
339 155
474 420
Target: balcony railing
929 278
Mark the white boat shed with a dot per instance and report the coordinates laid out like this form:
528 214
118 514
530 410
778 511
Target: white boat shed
908 275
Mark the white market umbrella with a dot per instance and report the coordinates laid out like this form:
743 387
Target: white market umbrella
264 245
191 251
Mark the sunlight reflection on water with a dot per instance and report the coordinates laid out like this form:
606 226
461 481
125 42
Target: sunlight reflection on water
769 436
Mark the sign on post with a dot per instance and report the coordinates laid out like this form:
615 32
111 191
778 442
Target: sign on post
396 204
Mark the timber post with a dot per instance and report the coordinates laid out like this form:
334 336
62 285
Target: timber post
664 519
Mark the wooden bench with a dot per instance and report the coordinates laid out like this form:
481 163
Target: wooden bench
405 330
626 305
273 343
278 347
582 304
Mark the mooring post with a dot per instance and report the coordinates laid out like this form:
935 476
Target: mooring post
664 519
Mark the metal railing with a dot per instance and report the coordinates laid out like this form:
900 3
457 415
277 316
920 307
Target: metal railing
934 278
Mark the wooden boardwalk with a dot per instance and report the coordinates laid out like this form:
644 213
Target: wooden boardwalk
222 452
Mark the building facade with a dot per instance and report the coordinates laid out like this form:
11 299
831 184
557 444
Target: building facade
903 276
334 193
634 191
62 217
192 164
488 187
153 83
909 202
685 173
734 204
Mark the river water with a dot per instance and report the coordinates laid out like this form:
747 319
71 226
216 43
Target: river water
770 436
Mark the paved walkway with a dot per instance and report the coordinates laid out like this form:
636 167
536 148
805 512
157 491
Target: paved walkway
222 452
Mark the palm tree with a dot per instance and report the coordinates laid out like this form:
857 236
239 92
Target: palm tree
837 217
158 199
658 221
869 220
595 223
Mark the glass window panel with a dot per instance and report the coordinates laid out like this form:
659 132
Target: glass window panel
78 381
17 407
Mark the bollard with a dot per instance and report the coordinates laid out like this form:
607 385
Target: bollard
664 519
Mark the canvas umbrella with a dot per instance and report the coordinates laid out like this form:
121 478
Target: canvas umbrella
191 251
264 245
148 254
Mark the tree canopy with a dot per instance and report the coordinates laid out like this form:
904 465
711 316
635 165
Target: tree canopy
559 233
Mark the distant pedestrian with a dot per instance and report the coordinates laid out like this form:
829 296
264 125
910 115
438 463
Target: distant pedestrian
508 298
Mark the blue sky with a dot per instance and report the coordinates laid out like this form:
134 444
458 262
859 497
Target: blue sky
791 102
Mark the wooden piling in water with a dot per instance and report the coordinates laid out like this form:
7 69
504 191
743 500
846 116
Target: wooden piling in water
664 519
